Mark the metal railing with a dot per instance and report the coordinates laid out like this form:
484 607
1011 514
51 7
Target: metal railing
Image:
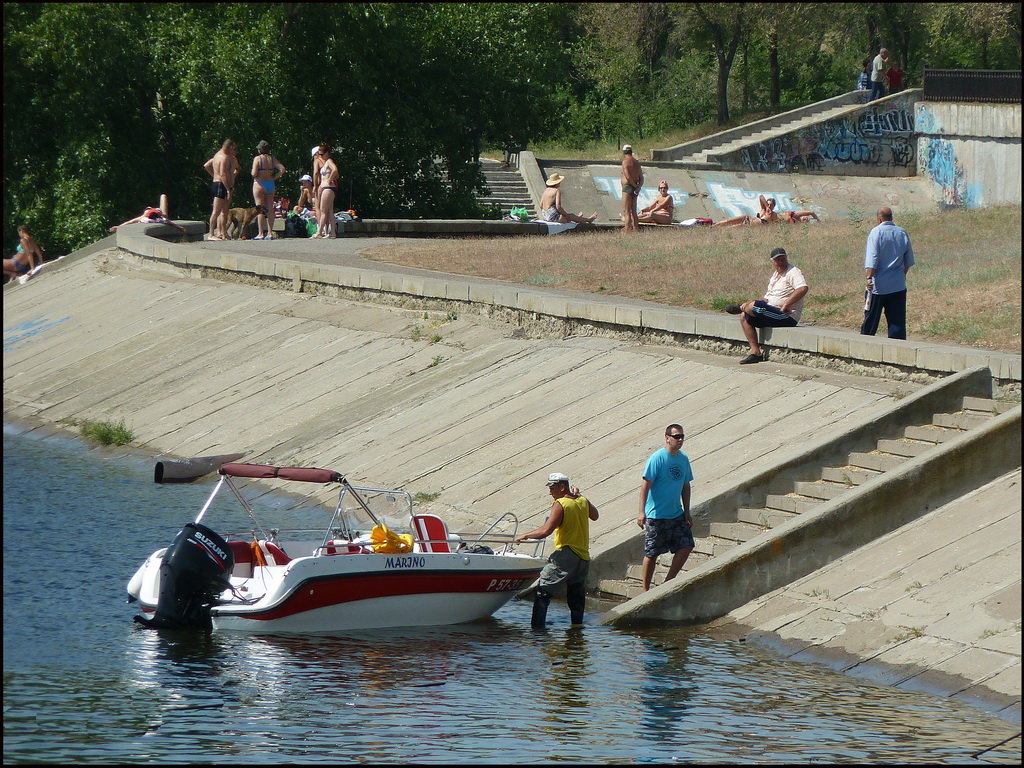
972 85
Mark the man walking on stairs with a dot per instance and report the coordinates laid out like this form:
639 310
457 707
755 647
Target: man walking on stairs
665 506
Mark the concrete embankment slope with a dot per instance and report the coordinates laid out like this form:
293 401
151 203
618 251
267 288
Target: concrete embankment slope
933 606
431 397
428 401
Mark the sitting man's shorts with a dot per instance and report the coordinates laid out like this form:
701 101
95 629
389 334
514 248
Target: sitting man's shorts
666 535
767 316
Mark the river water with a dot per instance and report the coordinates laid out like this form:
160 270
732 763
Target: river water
83 684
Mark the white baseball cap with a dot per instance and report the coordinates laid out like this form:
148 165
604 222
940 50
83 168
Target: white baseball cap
557 477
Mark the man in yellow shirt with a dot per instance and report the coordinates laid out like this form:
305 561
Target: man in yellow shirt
569 520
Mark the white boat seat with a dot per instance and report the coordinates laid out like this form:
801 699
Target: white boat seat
272 554
242 550
344 547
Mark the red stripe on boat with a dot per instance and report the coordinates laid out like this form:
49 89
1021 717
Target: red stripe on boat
334 590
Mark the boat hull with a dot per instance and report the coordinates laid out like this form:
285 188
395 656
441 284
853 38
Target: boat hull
327 594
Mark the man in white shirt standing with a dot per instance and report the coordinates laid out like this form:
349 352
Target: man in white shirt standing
878 67
781 307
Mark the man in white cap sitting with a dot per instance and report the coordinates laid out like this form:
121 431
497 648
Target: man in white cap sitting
569 520
780 308
307 199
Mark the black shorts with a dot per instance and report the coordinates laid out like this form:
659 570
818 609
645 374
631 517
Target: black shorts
219 190
767 316
663 535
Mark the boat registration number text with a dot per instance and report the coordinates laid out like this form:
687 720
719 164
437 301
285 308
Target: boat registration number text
504 585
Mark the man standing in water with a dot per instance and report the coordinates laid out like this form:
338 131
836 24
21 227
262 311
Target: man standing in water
667 524
569 520
632 180
223 167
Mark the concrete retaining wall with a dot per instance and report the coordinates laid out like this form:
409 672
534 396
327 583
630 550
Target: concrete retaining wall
875 139
970 152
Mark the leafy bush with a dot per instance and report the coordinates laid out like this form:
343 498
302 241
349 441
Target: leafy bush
106 433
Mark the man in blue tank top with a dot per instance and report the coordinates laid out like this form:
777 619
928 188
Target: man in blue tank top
665 506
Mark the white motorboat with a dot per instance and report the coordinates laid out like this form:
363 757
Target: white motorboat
340 576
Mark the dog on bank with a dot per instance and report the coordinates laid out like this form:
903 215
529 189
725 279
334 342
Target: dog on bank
239 220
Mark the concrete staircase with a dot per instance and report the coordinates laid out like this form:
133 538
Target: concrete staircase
701 154
835 480
507 188
706 159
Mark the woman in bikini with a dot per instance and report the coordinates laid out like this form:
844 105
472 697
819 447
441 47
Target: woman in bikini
327 190
660 211
266 170
551 210
767 215
27 257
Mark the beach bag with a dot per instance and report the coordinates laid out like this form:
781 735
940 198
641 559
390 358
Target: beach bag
311 227
295 226
519 214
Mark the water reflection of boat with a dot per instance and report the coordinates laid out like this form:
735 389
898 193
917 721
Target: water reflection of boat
333 577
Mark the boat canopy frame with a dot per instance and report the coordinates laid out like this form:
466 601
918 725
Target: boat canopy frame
300 474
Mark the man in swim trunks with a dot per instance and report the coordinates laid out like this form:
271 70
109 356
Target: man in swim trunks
223 167
632 180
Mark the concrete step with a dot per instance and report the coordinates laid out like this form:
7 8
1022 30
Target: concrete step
789 503
627 589
959 420
736 532
983 405
904 447
712 546
931 433
512 184
820 490
847 475
700 164
881 462
635 572
767 518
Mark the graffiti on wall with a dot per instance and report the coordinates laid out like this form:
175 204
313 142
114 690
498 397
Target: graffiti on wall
612 185
940 162
878 139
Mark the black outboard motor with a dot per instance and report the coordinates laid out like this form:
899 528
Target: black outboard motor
196 568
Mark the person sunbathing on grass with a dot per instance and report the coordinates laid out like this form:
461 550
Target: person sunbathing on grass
767 215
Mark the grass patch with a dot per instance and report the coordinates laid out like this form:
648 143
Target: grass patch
106 432
964 289
423 498
542 279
